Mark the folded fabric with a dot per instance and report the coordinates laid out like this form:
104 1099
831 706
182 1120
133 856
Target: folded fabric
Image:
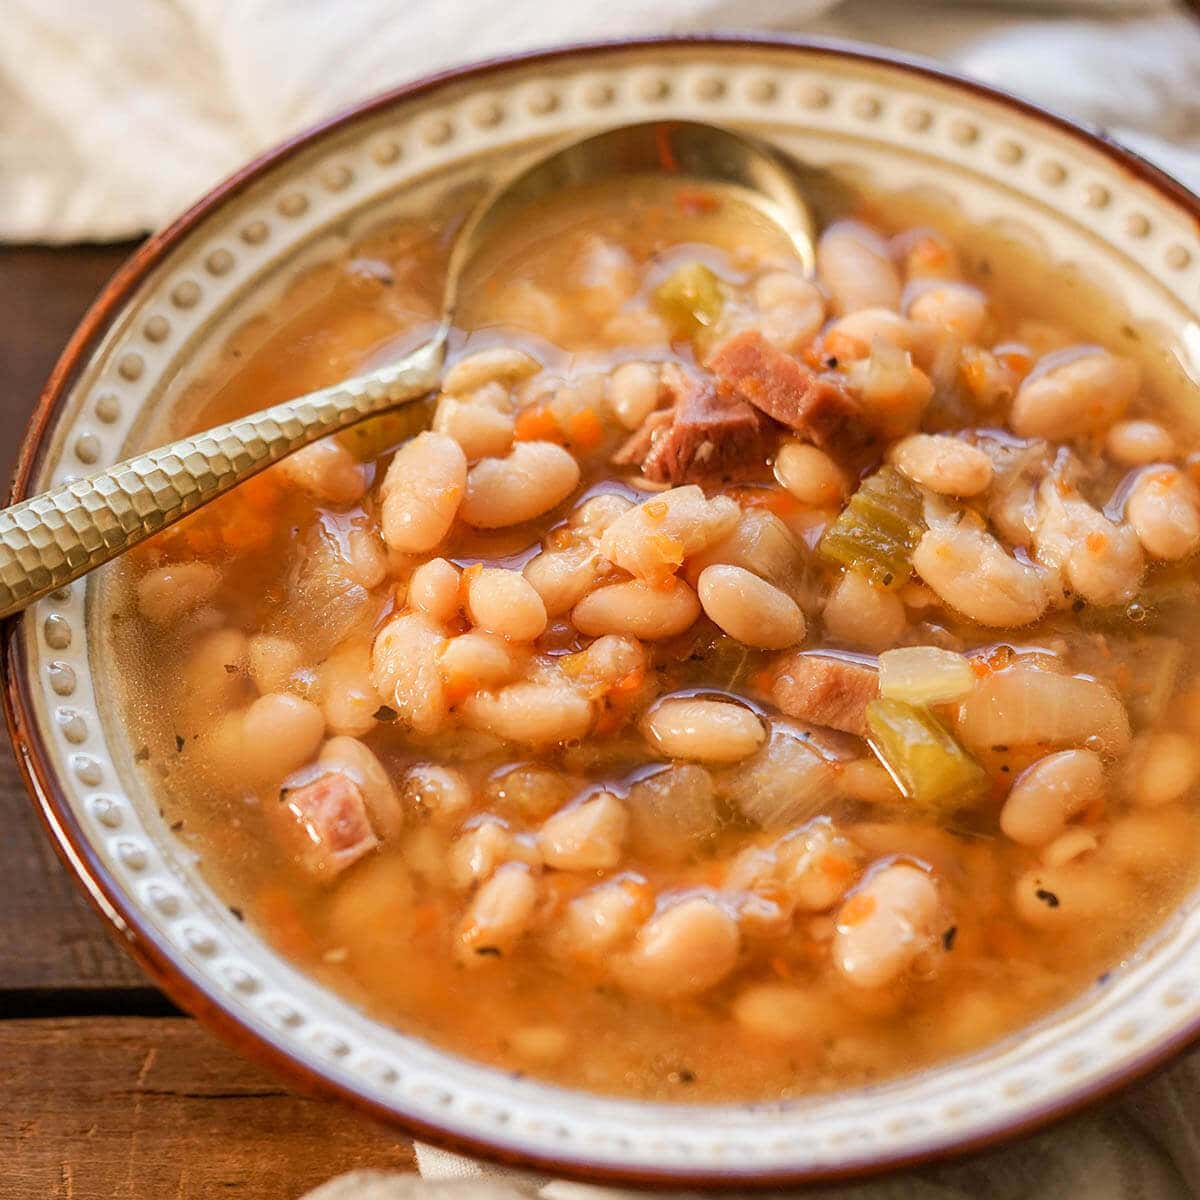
115 117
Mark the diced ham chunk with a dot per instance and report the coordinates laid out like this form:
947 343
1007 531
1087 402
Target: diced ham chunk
817 408
824 690
331 816
706 435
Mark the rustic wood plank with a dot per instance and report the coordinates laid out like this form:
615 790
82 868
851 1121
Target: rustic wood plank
146 1109
49 936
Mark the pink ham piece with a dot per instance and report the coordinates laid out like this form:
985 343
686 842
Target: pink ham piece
824 690
331 816
817 408
705 436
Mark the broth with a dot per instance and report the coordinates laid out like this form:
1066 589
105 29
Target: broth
843 724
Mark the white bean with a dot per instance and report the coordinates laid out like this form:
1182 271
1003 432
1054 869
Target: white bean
349 699
280 732
327 470
503 909
421 492
703 730
478 660
502 364
1085 395
787 1013
273 661
1049 793
633 392
505 603
810 475
854 264
652 539
1164 768
480 429
529 712
970 570
366 555
475 856
530 481
213 676
885 924
749 609
164 594
1164 510
603 918
588 837
943 464
405 670
563 577
1139 443
638 610
954 306
791 309
433 589
441 792
687 948
863 615
1067 847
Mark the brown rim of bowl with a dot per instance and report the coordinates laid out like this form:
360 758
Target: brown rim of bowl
151 951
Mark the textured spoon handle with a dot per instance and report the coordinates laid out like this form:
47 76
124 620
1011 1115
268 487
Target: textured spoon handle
52 539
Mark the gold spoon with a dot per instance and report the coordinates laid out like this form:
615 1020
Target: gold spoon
54 538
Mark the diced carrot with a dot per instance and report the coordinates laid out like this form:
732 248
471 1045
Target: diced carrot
835 866
694 201
857 909
668 549
584 429
763 680
775 500
630 682
1019 362
281 918
655 510
537 424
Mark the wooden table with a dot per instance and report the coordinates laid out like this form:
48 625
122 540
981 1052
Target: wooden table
107 1092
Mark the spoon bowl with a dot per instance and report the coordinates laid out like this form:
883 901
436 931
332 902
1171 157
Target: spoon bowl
51 539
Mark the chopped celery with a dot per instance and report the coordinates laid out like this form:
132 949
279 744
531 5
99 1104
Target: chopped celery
933 770
878 530
924 675
689 299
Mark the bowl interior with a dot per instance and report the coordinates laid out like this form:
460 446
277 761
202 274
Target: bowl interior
885 126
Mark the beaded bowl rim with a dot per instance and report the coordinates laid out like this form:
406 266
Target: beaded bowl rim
201 997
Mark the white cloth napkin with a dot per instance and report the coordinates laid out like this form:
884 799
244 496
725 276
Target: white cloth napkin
116 116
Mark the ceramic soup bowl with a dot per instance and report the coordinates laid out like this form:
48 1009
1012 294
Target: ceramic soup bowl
1083 203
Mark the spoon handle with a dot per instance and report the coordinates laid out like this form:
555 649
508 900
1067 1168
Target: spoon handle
51 539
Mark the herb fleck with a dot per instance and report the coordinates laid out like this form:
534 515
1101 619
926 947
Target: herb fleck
179 743
237 912
948 938
1047 898
489 951
231 668
384 713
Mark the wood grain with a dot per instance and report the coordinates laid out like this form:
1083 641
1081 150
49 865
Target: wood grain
131 1108
50 939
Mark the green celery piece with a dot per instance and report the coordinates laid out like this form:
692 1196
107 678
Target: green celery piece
690 298
877 532
935 773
